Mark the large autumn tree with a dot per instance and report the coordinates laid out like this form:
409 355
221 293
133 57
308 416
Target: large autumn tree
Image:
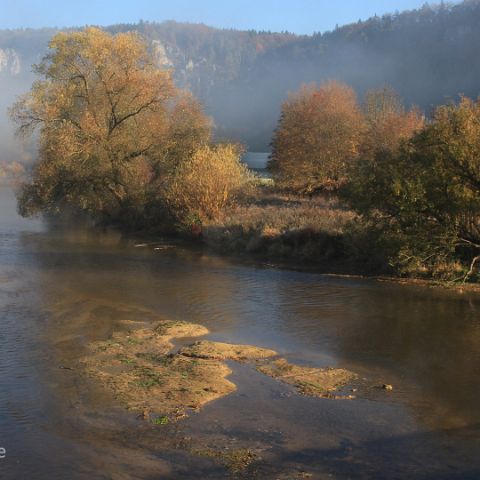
318 134
111 127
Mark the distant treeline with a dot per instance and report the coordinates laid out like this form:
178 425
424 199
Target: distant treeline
427 55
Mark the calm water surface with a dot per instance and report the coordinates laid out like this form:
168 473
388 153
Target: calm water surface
62 289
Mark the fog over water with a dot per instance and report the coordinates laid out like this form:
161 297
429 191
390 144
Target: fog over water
64 285
60 289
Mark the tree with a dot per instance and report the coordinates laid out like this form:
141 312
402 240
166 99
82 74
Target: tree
388 123
425 197
318 134
111 125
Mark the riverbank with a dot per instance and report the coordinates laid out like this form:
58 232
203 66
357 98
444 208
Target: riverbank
64 291
316 234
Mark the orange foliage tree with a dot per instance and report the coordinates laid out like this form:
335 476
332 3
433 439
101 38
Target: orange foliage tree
388 122
317 136
388 126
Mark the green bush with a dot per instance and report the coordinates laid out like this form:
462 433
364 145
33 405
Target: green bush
424 199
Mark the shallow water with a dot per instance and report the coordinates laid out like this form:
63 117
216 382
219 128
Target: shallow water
60 289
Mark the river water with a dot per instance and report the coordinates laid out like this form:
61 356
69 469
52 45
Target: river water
62 288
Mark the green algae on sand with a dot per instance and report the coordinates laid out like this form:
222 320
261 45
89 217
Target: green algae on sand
137 365
226 351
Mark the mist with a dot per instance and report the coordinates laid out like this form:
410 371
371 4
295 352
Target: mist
252 289
428 56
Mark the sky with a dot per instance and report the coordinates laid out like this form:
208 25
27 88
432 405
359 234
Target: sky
297 16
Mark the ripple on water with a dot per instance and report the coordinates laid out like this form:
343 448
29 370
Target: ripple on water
53 292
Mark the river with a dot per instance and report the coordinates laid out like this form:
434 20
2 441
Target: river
63 288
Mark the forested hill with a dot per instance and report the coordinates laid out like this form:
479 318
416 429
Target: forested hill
428 55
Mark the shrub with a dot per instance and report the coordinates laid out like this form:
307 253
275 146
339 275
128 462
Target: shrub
202 186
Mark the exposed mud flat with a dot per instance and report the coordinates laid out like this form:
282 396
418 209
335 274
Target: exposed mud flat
315 382
138 366
237 460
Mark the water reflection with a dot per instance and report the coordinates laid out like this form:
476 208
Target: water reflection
60 289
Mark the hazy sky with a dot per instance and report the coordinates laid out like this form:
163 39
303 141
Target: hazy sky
299 16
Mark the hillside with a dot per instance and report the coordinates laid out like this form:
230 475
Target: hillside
428 55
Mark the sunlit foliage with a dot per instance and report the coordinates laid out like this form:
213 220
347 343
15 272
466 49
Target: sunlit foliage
388 124
207 183
318 135
112 127
424 198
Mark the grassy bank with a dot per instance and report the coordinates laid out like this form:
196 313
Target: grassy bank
288 228
318 233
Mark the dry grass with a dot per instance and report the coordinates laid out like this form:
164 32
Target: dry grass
278 225
275 212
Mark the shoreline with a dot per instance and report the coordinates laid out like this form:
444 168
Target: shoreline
259 261
338 268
